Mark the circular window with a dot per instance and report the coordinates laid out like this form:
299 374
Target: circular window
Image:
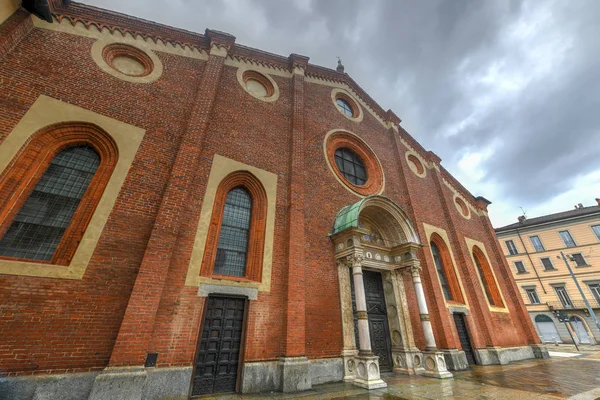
353 163
258 85
345 107
461 206
346 104
351 166
127 60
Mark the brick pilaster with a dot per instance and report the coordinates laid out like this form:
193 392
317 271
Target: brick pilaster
13 30
137 326
295 327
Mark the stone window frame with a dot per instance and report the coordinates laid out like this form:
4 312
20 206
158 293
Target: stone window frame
486 278
339 138
244 74
471 243
28 167
256 238
454 286
357 112
220 169
153 67
45 112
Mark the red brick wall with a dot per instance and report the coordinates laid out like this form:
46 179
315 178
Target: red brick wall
52 325
57 325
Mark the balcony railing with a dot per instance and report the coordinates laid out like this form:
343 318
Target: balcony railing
576 305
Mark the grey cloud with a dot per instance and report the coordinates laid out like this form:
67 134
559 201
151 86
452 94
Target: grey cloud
418 58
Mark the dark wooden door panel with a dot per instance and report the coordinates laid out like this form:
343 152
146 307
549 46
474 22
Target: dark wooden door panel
219 350
378 321
463 336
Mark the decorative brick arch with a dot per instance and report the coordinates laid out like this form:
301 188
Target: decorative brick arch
25 170
449 270
254 259
487 277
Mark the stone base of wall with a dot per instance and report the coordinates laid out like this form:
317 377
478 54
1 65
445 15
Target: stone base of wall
456 360
505 355
113 383
289 375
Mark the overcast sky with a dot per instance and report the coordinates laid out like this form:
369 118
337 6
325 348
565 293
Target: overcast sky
506 92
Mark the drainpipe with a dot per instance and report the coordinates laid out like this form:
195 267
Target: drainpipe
531 261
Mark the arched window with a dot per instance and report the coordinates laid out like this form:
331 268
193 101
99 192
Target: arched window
235 229
439 266
50 191
486 276
235 241
445 270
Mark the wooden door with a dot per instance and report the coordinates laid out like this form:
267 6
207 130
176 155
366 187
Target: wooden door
216 367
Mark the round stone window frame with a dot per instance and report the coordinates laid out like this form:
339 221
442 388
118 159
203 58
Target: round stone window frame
461 206
101 54
245 74
339 138
357 112
412 159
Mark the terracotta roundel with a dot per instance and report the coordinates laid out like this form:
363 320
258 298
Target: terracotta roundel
462 207
353 163
259 85
127 59
415 164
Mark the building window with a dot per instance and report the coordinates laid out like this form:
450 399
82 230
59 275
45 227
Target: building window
567 238
235 240
578 259
344 107
445 270
52 190
512 249
537 243
596 229
547 264
595 289
39 226
487 279
532 295
439 266
520 267
563 296
351 166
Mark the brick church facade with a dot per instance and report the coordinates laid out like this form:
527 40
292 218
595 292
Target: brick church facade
181 215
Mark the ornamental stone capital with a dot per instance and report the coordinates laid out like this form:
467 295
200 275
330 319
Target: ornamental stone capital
354 260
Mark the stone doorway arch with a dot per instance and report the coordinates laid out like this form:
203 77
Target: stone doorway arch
375 234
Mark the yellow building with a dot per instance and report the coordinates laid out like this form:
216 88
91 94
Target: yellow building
533 249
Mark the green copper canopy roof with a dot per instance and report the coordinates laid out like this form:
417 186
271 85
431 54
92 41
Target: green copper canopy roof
347 217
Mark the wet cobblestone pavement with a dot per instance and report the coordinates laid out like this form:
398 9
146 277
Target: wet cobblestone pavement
557 378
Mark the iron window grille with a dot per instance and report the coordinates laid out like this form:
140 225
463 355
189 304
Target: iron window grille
351 166
235 229
39 226
345 107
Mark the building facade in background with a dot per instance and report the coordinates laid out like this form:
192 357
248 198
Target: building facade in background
533 249
182 215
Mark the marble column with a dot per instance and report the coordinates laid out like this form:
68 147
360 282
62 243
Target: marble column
434 363
367 364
